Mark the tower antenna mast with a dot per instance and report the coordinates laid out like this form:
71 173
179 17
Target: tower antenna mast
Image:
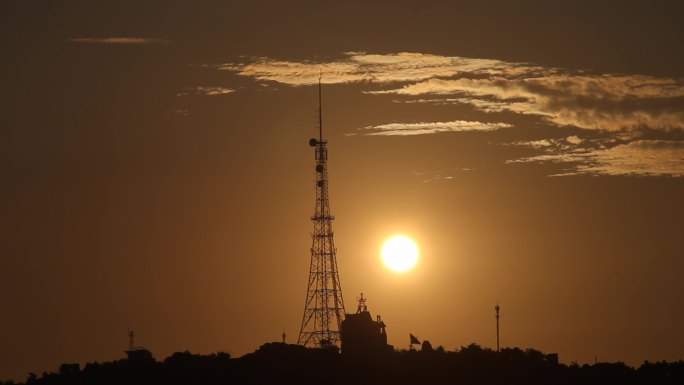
320 108
324 305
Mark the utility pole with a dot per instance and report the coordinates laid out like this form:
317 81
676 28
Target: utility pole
496 309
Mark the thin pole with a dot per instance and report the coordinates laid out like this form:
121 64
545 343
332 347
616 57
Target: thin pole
496 309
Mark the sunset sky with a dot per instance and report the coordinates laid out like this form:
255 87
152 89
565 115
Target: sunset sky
155 173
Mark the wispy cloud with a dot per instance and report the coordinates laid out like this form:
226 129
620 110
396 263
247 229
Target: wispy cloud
622 111
551 144
119 40
206 91
605 102
601 102
423 128
213 91
361 67
640 157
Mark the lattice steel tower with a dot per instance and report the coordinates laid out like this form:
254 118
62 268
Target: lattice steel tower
324 306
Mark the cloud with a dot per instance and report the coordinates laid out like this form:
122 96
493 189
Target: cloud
537 143
423 128
361 67
207 91
574 139
213 91
564 143
598 102
601 102
624 112
119 40
640 158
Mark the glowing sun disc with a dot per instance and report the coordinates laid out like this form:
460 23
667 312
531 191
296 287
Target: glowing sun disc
399 253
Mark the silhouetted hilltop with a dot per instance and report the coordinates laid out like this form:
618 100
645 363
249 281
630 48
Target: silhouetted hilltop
279 363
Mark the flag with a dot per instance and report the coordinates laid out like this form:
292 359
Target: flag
414 339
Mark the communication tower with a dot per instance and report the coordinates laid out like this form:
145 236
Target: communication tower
324 306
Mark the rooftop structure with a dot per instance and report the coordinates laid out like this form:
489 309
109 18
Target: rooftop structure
361 335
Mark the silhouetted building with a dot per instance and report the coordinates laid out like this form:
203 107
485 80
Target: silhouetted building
137 354
361 335
552 358
68 369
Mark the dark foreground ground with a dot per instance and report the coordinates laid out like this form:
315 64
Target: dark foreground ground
277 363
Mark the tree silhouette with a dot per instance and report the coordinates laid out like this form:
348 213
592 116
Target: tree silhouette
280 363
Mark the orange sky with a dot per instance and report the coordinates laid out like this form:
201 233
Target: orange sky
156 173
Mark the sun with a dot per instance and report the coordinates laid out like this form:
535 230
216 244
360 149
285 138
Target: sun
399 253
